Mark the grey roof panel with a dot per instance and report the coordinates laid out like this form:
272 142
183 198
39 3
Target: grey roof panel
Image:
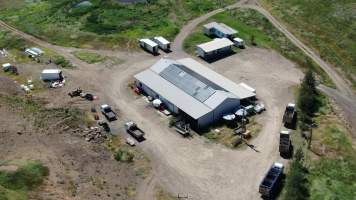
217 79
173 94
191 85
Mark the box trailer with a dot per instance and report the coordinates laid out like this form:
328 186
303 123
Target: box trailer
52 75
149 45
164 44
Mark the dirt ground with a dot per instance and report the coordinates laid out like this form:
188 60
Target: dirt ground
195 167
192 167
78 169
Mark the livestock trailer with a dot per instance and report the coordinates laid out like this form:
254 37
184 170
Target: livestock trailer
149 45
164 44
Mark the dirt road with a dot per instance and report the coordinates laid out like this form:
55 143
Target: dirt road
195 167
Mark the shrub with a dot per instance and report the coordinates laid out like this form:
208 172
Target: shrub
25 178
61 61
123 155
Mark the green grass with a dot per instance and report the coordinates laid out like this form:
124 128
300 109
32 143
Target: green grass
331 161
89 57
326 25
15 185
106 23
251 23
124 155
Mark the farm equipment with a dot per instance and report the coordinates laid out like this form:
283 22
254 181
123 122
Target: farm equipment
75 93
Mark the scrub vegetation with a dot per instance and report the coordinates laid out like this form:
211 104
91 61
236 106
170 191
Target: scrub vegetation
41 116
326 25
327 169
15 185
104 23
256 30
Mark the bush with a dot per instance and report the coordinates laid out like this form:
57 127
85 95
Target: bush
297 182
61 61
123 155
25 178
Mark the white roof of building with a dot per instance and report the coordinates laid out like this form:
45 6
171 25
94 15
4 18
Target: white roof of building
149 42
30 51
216 78
221 27
162 40
189 85
51 71
248 87
215 44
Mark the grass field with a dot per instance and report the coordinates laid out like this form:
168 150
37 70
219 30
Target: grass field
16 185
105 23
326 25
250 23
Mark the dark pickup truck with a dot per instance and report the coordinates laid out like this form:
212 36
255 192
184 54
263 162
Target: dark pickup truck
134 130
272 181
108 112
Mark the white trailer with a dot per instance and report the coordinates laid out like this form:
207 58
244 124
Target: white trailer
34 52
52 75
149 45
162 43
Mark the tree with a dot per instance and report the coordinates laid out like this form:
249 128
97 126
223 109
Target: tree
308 101
297 182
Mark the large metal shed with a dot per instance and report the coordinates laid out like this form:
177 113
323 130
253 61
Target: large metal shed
187 87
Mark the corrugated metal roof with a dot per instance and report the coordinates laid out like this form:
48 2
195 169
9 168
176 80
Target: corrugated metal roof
192 87
162 40
187 82
149 42
221 27
216 78
173 94
215 44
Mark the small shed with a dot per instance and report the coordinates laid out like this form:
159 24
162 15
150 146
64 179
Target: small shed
52 75
149 45
162 43
219 30
216 47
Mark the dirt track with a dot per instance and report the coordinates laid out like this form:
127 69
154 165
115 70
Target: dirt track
195 167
